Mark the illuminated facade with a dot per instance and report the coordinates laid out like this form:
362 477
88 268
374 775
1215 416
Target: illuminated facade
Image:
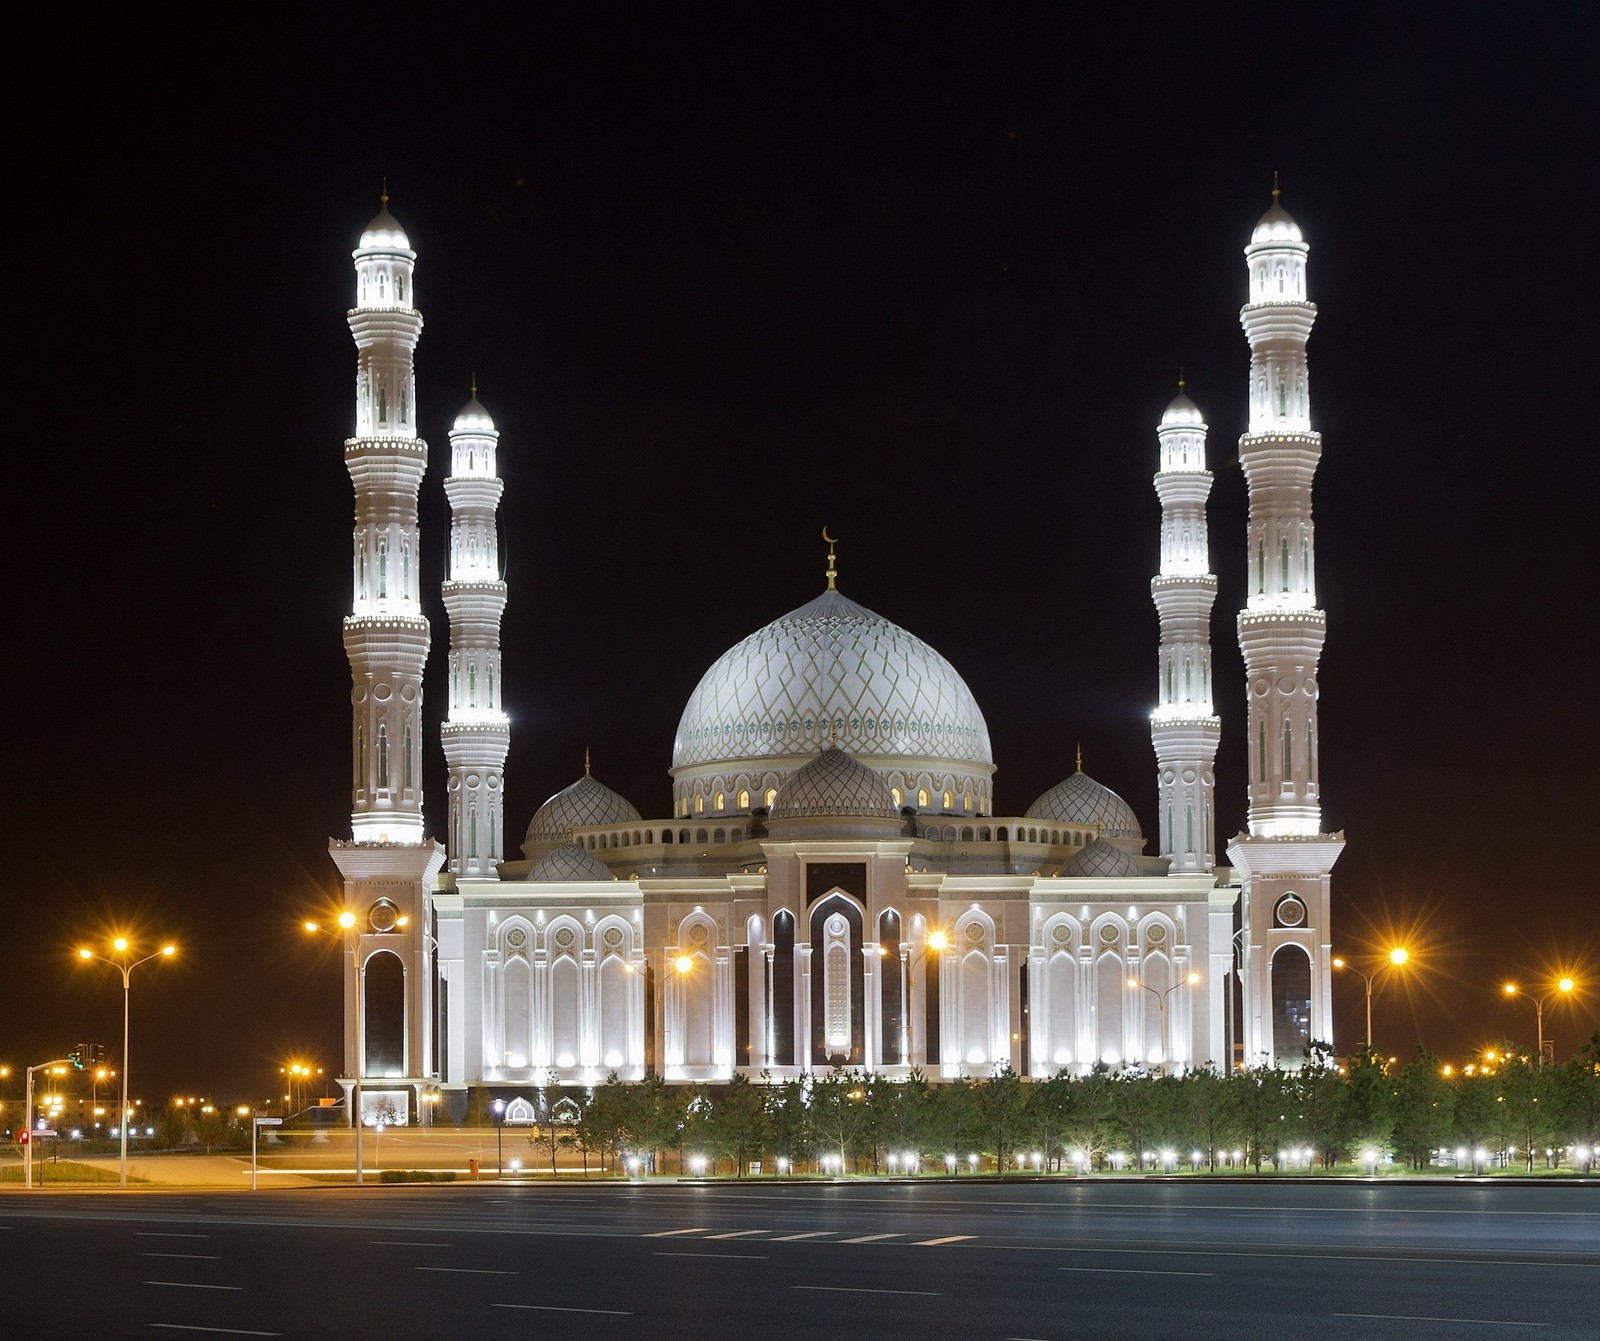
833 883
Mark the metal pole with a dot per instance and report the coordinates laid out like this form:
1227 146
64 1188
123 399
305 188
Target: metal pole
361 1049
499 1168
27 1127
254 1128
1538 1005
122 1156
1370 1048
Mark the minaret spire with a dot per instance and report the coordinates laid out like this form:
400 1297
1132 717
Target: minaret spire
477 733
833 563
1183 726
1285 860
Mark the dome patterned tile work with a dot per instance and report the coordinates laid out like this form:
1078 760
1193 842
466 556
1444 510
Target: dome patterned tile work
1082 800
1100 858
834 784
586 802
832 667
569 862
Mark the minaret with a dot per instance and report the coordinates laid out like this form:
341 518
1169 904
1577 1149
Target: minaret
1285 860
390 868
386 636
1183 727
477 733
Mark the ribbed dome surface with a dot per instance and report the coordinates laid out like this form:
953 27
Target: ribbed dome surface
1082 800
832 667
569 862
587 802
473 419
1182 410
1276 226
1100 858
834 784
384 232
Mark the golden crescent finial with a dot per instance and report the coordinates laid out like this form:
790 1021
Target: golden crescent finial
833 567
1275 186
383 194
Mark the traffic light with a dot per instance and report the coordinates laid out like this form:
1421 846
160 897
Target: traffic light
22 1136
97 1054
76 1056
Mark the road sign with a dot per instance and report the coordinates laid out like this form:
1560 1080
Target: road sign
269 1122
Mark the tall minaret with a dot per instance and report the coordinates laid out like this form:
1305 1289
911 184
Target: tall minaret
1183 727
386 636
477 734
390 868
1285 860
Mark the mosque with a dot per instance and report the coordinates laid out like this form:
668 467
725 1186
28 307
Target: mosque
833 884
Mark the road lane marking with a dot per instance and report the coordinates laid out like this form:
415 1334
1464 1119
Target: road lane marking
861 1289
1311 1257
190 1285
467 1271
406 1243
1136 1271
740 1257
809 1234
1420 1317
221 1331
671 1233
736 1234
558 1308
187 1257
872 1238
934 1243
157 1234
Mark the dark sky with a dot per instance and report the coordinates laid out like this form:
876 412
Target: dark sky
925 275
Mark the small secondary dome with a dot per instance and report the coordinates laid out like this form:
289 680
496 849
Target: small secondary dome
587 802
384 232
834 784
1082 800
569 862
1182 410
1100 858
473 418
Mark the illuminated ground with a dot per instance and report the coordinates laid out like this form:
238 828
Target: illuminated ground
1049 1262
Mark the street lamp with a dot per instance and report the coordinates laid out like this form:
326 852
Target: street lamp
347 922
1562 988
1161 995
499 1113
1396 957
120 947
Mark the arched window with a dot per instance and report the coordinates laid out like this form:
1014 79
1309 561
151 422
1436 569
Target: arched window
383 404
1311 751
699 805
717 801
402 404
1188 679
489 671
1283 399
472 832
1288 750
1283 563
1170 694
405 763
1169 828
1261 752
1305 566
772 795
472 684
361 758
966 802
744 799
1188 819
1261 567
383 567
361 568
949 801
899 800
494 845
922 797
399 288
405 568
383 755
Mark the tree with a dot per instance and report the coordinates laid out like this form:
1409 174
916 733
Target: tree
1424 1109
1211 1115
1577 1087
1371 1101
1136 1099
1091 1114
1527 1102
1260 1101
738 1127
1325 1108
838 1112
1001 1108
211 1126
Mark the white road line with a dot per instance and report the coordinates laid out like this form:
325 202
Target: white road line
557 1308
872 1238
671 1233
187 1257
1310 1257
809 1234
406 1243
157 1234
220 1331
736 1234
190 1285
1135 1271
467 1271
934 1243
740 1257
1419 1317
861 1289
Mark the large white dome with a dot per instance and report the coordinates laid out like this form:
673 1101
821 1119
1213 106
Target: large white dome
832 672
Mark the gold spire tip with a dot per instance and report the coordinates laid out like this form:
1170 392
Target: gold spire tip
1080 756
585 761
833 565
383 193
474 386
1274 186
1181 382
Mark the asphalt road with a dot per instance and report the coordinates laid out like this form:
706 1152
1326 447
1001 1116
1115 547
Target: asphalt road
1031 1262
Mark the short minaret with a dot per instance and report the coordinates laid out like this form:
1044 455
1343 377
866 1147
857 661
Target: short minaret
1285 860
477 733
1183 727
386 636
390 868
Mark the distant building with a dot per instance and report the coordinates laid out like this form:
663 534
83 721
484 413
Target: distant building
833 883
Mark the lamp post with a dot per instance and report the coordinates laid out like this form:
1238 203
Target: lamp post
1562 988
120 947
347 922
499 1114
1395 959
1161 995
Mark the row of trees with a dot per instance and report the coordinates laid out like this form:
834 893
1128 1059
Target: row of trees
1321 1113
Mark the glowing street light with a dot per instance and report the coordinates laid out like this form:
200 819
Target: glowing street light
1161 995
119 947
1397 957
347 922
1563 987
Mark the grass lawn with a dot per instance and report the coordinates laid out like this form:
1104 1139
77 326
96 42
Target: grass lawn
67 1171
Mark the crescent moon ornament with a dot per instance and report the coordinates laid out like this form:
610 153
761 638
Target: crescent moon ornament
830 539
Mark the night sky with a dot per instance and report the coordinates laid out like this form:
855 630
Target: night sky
923 275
